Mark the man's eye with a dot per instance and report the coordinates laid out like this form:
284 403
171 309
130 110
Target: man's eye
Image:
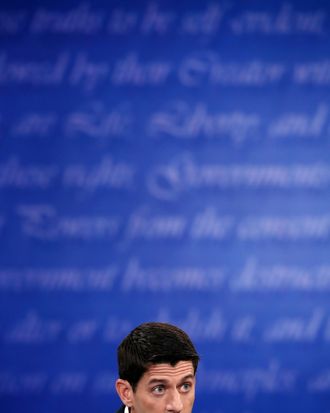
158 389
185 387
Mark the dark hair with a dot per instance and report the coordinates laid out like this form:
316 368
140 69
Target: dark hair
153 343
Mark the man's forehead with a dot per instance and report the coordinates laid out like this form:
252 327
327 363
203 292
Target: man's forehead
182 368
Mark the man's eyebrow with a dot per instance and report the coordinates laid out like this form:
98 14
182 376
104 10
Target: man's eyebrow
165 381
188 377
154 381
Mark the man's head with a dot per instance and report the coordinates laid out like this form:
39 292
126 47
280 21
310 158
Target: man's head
157 364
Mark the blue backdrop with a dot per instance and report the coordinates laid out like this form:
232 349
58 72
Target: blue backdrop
165 160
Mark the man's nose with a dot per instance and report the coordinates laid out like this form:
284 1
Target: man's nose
174 403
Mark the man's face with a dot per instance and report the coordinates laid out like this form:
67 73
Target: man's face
165 388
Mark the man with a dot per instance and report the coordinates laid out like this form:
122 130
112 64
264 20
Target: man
157 365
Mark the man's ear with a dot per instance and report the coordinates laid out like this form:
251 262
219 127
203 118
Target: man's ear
125 392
